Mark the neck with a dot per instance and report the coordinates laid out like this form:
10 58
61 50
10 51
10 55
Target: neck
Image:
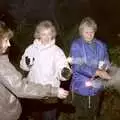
45 42
88 41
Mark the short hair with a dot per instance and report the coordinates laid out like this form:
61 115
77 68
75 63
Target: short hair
5 31
89 22
46 24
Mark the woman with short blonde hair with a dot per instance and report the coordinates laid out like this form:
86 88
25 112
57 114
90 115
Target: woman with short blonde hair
45 25
87 22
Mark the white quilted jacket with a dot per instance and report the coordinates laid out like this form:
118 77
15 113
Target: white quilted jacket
48 64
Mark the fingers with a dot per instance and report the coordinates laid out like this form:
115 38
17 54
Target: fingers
105 75
62 93
64 96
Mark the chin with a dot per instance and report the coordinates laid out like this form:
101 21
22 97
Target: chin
90 39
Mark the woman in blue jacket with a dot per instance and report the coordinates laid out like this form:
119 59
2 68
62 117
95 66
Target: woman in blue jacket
89 62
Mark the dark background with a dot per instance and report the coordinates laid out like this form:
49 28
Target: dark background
65 14
23 15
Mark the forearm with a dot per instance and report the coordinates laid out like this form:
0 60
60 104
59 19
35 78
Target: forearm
29 90
39 91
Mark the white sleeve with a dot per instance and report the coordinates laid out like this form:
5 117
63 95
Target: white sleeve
61 62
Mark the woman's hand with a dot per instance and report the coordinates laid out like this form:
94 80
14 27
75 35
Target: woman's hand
62 94
103 74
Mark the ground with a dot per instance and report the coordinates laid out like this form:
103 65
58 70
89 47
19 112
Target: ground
110 108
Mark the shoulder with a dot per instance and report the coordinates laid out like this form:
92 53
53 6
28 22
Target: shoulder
58 50
101 43
77 41
30 48
76 44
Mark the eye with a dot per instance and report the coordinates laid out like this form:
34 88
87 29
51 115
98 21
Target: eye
38 38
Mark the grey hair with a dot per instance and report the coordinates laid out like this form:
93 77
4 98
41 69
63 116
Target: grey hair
89 22
46 24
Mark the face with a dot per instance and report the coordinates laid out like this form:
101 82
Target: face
88 33
5 44
45 36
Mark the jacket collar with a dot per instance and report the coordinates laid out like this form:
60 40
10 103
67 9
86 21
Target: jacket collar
91 42
40 46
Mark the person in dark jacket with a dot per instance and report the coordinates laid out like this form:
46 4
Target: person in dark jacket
90 62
